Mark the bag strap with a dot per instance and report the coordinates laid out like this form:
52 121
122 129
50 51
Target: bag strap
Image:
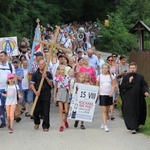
10 67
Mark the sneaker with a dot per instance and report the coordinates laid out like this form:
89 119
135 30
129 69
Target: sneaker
18 119
106 129
102 126
9 127
133 131
2 125
32 117
61 128
45 130
112 118
76 124
11 130
82 127
66 124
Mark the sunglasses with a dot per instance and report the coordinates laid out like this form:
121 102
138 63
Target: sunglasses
23 47
110 60
11 78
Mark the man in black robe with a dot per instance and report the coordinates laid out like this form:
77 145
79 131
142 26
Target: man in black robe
135 89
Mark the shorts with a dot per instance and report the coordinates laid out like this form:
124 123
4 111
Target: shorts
105 100
27 96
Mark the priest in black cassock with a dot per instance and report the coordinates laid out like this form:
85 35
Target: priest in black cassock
135 89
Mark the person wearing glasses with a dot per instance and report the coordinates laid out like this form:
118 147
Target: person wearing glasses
115 61
122 69
110 61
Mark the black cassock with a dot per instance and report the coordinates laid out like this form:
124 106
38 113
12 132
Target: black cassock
134 104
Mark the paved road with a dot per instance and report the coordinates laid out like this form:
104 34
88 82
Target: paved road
93 138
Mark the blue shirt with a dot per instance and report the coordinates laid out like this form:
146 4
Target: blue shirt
93 61
19 72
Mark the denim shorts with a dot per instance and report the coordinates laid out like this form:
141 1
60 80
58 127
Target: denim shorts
27 96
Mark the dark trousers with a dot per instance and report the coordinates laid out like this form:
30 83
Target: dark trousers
122 96
43 108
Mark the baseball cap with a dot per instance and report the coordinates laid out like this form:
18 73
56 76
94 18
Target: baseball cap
10 76
38 54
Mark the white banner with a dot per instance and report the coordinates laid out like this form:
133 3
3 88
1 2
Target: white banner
9 45
83 102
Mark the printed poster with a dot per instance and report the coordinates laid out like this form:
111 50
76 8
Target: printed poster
9 45
82 105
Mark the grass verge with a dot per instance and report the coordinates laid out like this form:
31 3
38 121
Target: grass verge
146 128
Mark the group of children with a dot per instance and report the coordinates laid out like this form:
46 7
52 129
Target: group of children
63 90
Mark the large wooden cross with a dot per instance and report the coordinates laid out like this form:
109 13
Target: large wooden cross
53 49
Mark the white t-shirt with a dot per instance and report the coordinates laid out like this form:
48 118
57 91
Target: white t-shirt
105 84
4 71
67 43
25 81
11 97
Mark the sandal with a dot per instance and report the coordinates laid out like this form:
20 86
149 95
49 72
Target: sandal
22 110
27 114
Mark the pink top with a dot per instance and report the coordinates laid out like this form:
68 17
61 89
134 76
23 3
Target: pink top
90 71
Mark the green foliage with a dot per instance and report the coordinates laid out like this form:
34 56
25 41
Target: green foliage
146 129
18 18
116 37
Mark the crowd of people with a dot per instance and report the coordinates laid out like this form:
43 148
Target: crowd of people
19 85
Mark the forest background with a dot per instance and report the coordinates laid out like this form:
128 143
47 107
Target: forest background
18 18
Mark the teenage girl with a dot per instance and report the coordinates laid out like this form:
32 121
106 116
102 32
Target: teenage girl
106 84
11 100
61 95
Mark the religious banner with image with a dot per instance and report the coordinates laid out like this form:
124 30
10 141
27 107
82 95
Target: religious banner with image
9 45
82 105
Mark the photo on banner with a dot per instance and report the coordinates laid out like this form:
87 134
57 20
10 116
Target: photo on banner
82 105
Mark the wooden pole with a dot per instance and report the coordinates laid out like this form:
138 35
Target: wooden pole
45 69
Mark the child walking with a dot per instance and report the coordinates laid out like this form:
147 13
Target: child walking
72 83
80 79
61 95
11 100
106 84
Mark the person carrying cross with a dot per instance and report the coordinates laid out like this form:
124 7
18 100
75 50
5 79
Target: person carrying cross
43 103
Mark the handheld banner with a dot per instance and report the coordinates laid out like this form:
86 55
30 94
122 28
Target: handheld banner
83 102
